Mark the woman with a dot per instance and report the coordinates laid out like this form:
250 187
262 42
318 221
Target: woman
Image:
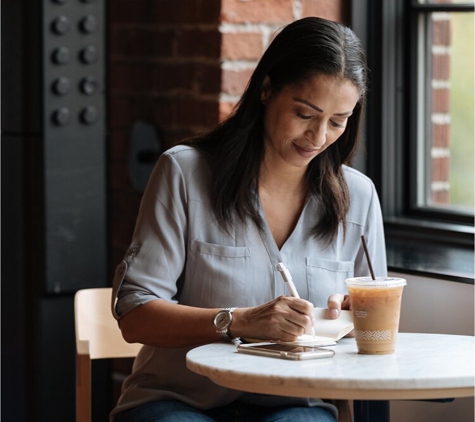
267 185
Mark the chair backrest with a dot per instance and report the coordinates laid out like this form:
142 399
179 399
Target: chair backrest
97 337
97 332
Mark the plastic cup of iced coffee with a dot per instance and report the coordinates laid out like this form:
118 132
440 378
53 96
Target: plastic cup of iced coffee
376 308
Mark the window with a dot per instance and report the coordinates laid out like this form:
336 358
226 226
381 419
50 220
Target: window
441 73
419 129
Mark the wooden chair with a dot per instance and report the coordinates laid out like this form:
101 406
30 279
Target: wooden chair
97 337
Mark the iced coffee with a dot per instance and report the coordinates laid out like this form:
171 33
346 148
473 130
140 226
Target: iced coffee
376 307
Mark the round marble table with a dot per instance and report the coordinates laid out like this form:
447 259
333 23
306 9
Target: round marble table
425 366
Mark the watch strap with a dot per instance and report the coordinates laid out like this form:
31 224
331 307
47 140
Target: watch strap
224 332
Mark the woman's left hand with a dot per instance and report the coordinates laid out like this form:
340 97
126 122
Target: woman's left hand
336 303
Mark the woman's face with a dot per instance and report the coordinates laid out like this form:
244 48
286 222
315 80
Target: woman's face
301 121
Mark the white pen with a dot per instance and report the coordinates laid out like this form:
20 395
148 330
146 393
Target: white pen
284 271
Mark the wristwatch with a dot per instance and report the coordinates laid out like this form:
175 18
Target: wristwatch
222 321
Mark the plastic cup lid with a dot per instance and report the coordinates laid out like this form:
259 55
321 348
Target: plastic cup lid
379 282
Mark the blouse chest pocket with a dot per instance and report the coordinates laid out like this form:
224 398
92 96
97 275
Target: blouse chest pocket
216 275
326 277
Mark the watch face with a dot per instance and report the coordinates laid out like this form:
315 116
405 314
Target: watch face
222 320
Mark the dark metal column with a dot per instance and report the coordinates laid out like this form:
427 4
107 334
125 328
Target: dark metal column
54 225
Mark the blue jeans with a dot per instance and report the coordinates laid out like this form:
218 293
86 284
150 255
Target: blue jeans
175 411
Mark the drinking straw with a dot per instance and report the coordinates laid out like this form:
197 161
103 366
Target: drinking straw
367 257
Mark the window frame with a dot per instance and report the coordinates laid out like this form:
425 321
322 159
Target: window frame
384 27
415 11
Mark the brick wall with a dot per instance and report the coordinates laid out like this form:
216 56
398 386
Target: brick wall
440 114
247 27
164 68
181 65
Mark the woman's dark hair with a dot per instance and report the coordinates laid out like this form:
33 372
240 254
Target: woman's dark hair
303 49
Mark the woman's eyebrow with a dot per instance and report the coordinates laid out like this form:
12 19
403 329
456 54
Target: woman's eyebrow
300 100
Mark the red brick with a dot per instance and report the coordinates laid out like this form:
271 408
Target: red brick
208 11
441 100
242 46
441 197
441 32
209 78
441 66
172 76
199 43
164 43
139 42
185 12
131 76
335 10
137 11
183 112
254 11
440 169
164 12
440 135
196 112
124 110
235 81
192 77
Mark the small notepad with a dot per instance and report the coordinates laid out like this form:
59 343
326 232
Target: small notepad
327 331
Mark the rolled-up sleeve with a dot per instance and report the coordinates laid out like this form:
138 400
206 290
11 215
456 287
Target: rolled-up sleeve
155 259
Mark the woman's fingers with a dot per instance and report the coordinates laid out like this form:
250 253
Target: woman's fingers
284 318
335 305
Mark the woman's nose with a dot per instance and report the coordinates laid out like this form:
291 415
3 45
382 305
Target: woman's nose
317 136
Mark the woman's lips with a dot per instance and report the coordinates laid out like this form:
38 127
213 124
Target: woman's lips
306 152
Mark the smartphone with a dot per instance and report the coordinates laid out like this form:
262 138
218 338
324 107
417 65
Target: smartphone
285 351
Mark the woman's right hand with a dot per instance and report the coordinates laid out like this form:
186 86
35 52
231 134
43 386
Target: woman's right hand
284 319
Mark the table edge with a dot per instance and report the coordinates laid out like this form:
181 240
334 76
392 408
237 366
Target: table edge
348 394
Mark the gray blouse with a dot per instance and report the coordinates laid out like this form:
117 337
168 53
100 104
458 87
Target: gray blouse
180 254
